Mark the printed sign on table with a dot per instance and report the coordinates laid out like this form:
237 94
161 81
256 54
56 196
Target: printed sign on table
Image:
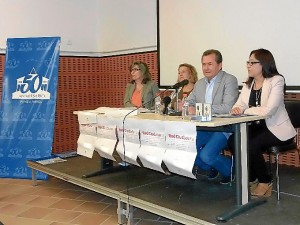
129 139
180 147
152 144
106 141
88 130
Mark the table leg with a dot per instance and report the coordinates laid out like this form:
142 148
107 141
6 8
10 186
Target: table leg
241 173
125 213
33 174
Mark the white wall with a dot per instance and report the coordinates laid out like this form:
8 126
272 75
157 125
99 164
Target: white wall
87 27
188 28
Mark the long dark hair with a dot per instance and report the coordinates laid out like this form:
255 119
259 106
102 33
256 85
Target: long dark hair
268 64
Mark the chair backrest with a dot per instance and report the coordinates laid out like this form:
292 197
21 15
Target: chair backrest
293 109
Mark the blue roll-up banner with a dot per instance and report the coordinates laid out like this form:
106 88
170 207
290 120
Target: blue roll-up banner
27 112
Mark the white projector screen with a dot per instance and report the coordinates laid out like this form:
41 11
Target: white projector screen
187 28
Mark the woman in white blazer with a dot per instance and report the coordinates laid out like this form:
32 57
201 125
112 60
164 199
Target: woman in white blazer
263 94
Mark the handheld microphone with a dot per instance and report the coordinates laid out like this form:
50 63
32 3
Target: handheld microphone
166 101
180 84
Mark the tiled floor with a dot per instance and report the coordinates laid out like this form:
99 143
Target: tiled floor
56 202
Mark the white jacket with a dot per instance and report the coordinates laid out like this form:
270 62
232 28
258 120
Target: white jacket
272 106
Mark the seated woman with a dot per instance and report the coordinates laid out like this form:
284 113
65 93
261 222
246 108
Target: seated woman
141 91
263 94
185 72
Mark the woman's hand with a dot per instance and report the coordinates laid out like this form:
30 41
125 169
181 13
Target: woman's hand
236 111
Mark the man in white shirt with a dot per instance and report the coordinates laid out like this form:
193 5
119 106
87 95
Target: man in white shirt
219 89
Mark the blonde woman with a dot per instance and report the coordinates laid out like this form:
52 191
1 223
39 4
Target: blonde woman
185 72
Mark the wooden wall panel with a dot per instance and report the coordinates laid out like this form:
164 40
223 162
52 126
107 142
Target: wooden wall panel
89 83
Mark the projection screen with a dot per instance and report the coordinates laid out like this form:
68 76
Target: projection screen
187 28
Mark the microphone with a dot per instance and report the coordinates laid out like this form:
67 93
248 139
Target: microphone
137 108
166 101
159 94
180 84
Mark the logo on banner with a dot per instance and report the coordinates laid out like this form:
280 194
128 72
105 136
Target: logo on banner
32 86
3 116
6 134
15 153
4 170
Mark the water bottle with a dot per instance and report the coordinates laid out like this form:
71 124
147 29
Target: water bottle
158 105
185 107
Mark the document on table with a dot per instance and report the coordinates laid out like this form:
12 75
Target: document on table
51 161
229 115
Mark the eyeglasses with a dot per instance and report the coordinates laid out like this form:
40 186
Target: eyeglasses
134 69
251 63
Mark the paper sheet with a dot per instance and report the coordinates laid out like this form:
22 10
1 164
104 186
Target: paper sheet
129 146
85 145
152 144
106 141
180 147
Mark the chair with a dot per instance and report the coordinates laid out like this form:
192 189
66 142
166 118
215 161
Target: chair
293 109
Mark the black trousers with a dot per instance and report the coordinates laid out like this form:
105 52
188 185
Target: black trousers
259 139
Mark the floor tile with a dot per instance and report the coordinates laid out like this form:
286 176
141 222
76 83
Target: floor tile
46 191
93 207
56 202
90 219
112 220
110 210
23 221
13 209
58 223
36 212
15 198
43 201
69 193
91 196
68 204
65 216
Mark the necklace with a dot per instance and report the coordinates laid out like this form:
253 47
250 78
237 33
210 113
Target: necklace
257 96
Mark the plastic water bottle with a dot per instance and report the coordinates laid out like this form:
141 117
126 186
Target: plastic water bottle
158 105
185 107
